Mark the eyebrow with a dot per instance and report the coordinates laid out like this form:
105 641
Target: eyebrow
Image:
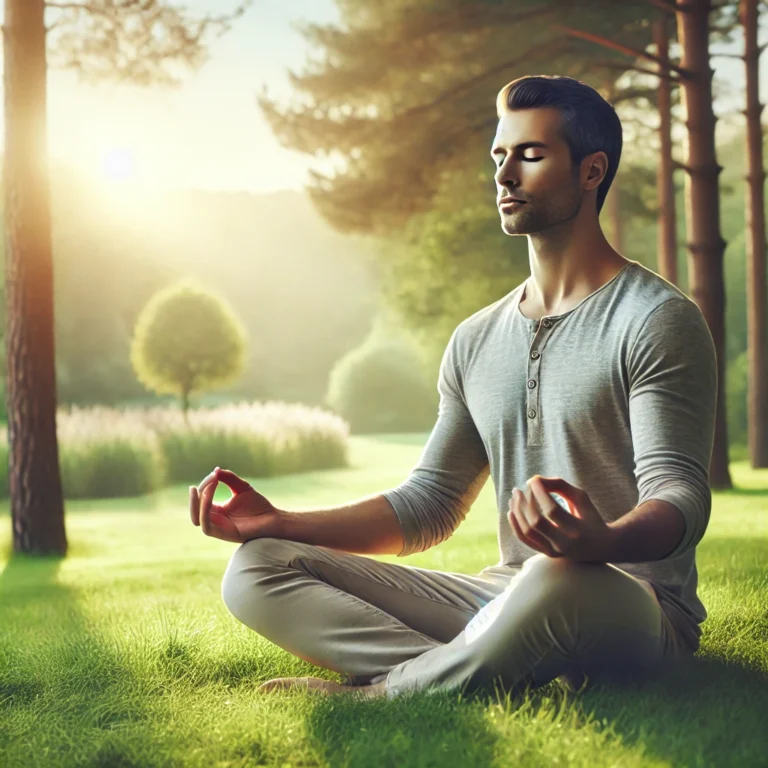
523 146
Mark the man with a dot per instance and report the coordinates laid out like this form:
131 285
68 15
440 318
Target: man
594 379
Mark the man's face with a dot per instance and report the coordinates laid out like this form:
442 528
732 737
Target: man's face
533 164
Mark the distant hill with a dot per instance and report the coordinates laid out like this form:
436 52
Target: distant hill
305 293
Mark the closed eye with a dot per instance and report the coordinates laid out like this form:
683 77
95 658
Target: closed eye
526 159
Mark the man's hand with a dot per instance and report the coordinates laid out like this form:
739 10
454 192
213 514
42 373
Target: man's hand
246 515
541 523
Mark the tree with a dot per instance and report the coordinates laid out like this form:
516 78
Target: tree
705 242
405 94
143 41
706 245
404 129
757 341
187 340
665 182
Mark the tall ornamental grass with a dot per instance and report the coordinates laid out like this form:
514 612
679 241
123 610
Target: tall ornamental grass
110 453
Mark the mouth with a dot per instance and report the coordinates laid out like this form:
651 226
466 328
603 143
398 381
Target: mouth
510 203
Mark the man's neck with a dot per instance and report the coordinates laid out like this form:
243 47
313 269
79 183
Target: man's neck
568 289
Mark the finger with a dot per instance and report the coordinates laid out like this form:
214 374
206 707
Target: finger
541 525
538 544
206 481
530 536
537 524
237 484
557 519
194 505
206 500
528 505
569 492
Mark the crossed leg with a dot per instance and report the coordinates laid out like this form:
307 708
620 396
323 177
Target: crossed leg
396 628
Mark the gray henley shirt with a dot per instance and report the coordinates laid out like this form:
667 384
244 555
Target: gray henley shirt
616 396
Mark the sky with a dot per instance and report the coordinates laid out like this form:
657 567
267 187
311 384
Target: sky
209 133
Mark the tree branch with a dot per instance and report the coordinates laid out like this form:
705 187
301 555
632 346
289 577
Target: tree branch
671 6
550 50
633 68
140 5
621 48
119 5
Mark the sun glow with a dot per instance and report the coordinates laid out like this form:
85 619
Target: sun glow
119 164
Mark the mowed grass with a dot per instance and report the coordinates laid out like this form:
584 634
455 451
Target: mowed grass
123 653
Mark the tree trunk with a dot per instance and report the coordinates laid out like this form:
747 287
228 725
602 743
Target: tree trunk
665 186
37 507
702 208
757 357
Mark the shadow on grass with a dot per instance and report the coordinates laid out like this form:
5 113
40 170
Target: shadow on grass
720 706
64 692
700 710
402 731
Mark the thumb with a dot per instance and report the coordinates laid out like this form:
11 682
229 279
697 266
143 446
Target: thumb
230 479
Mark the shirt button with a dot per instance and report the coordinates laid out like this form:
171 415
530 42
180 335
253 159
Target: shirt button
531 383
547 323
531 414
535 355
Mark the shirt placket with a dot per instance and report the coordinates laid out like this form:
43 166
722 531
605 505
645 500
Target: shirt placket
542 332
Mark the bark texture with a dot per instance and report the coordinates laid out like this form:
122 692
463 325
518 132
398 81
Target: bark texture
37 506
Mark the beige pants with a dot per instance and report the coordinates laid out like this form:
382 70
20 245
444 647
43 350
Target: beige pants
431 630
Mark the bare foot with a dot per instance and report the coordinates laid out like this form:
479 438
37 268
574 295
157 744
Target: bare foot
323 686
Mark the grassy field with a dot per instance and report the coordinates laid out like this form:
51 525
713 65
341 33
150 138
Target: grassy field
123 654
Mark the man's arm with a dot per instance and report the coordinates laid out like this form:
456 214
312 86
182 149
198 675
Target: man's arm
648 532
367 527
672 370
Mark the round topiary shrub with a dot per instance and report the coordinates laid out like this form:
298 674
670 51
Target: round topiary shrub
187 340
381 387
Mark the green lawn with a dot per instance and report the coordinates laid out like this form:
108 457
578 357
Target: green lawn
123 654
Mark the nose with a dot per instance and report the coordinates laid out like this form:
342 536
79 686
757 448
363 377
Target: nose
507 176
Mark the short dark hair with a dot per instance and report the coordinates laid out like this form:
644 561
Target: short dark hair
590 123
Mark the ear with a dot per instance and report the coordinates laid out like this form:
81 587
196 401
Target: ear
593 170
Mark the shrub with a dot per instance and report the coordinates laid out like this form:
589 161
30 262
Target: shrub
109 453
103 453
381 387
259 440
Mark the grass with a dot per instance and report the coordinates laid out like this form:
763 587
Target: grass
123 653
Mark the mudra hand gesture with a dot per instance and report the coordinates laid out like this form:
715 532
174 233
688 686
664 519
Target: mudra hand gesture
541 523
245 515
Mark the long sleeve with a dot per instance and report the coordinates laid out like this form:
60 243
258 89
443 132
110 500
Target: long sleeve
672 370
453 467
